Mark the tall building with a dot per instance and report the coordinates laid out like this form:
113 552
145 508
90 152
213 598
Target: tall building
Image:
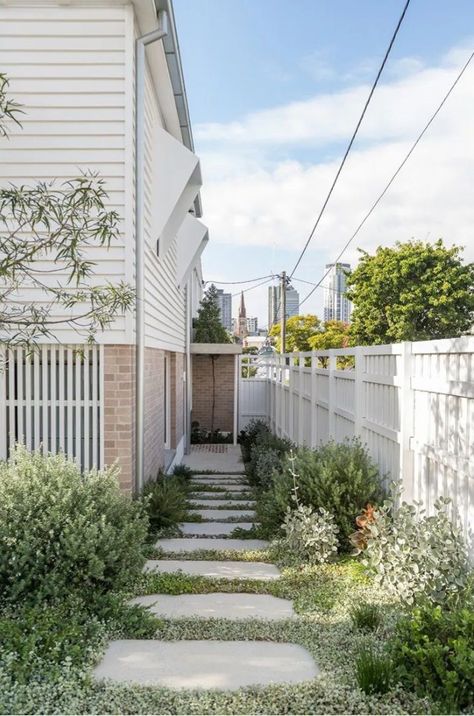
274 303
242 331
225 307
252 326
336 306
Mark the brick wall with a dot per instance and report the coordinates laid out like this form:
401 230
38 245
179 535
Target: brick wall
119 411
154 412
224 372
177 398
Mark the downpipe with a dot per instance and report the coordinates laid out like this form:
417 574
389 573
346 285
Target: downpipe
140 64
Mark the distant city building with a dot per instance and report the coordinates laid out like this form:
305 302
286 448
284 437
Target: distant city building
274 304
225 307
336 306
242 331
252 326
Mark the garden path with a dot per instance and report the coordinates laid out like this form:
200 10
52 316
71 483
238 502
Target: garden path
213 664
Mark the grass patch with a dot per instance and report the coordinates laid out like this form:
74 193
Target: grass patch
250 555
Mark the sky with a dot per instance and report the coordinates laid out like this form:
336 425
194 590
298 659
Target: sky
275 89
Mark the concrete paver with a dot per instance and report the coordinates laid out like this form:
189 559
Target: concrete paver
220 458
209 529
203 502
217 606
215 568
223 665
218 495
208 514
227 487
191 544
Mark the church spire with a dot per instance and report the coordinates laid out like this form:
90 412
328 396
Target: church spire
242 311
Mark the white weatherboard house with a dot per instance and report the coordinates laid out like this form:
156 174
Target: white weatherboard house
102 89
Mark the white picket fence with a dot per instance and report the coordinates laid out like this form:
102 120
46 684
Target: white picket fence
412 404
51 399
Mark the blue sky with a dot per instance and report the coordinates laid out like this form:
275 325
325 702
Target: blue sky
275 89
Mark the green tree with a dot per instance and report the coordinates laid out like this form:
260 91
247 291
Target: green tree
299 331
208 326
334 334
53 223
412 291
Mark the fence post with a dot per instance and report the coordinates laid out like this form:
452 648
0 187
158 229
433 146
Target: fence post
3 403
301 401
359 406
314 407
406 423
281 391
291 397
332 364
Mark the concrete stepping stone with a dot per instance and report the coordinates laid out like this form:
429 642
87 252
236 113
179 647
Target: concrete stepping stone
191 544
225 514
216 529
218 496
221 480
222 476
217 606
198 502
215 568
227 487
190 664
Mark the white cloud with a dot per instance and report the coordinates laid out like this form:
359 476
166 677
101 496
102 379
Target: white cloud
252 198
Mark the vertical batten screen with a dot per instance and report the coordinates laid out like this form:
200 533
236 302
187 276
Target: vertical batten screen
51 399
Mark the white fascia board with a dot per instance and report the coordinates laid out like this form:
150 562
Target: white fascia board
192 238
176 183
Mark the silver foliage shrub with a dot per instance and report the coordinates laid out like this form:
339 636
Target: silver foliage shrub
414 555
310 535
62 532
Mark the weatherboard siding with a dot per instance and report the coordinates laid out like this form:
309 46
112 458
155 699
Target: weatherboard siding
164 301
68 67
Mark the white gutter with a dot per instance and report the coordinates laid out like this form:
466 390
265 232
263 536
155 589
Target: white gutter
140 62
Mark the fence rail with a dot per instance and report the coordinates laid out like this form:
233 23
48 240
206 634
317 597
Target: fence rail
51 399
412 404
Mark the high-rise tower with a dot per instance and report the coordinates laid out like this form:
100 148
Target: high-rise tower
336 306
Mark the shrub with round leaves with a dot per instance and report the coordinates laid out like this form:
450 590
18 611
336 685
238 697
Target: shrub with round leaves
61 531
413 555
310 535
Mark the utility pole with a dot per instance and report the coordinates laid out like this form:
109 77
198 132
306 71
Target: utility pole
283 311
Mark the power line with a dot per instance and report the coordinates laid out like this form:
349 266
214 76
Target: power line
252 287
349 146
395 174
234 283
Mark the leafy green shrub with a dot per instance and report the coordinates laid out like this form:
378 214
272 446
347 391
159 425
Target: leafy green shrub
182 471
366 616
373 672
340 477
61 531
266 463
310 536
266 443
248 436
433 653
165 500
413 555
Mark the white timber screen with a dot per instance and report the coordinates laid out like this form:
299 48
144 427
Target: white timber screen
412 404
51 399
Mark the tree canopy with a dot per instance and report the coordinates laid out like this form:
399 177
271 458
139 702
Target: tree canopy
45 230
333 334
412 291
208 326
299 331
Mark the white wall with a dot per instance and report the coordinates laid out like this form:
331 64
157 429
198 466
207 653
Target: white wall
72 68
68 68
411 403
